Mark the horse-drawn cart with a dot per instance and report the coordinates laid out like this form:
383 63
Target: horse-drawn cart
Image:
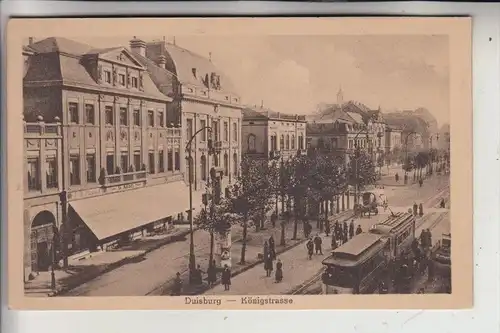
370 202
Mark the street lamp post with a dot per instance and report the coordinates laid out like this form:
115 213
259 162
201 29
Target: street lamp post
54 257
192 259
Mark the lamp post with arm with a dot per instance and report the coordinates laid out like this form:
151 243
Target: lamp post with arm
356 158
192 260
406 155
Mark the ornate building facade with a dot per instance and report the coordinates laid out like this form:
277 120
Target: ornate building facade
272 135
116 155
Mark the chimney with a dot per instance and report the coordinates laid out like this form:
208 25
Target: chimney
262 104
138 45
162 61
30 40
210 56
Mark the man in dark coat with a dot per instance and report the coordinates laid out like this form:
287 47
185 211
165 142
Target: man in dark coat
415 208
359 230
274 218
327 227
420 182
397 178
212 274
310 248
334 242
268 265
317 244
226 277
420 210
272 248
346 228
177 285
351 229
442 203
198 275
279 271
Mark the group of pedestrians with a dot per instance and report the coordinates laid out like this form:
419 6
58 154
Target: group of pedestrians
343 232
314 243
418 210
197 278
269 258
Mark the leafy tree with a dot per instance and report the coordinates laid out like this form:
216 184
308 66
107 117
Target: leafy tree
215 218
327 179
250 195
361 170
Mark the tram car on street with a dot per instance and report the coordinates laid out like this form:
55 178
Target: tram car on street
399 228
358 266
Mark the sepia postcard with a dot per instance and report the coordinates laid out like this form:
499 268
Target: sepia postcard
239 163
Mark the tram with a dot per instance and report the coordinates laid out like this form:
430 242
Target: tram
355 267
358 266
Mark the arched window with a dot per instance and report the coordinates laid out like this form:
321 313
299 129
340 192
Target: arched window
216 160
293 142
235 164
226 165
287 142
203 166
282 142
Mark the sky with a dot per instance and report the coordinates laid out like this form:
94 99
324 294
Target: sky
293 74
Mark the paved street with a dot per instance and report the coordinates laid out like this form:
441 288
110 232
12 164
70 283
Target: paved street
297 268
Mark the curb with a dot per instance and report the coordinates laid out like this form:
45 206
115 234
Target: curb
122 262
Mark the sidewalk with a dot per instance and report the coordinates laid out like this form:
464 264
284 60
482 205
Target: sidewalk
253 249
92 265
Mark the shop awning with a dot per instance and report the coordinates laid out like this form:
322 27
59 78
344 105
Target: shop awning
112 214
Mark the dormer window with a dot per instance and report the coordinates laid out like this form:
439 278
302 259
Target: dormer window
107 76
194 71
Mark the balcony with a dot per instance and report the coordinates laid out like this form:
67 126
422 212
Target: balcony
124 178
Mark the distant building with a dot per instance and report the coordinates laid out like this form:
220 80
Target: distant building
272 135
392 140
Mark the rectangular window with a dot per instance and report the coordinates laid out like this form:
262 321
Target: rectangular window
151 118
137 161
74 170
137 117
89 114
203 123
226 131
235 132
189 129
51 170
110 164
121 79
107 76
177 160
124 162
73 113
123 117
215 129
161 161
91 172
108 114
33 174
170 161
160 119
134 82
151 162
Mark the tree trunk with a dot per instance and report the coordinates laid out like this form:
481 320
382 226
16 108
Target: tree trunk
282 241
295 228
318 211
244 240
212 243
326 216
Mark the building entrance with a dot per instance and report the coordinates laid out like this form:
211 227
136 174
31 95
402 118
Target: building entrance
42 241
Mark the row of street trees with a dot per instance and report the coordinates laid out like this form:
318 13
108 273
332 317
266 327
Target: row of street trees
303 184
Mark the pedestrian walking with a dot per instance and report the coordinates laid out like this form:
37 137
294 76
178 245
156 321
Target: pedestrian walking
345 236
430 270
345 228
415 208
226 278
358 230
310 248
420 210
265 253
442 204
397 177
212 274
198 276
177 285
334 242
268 265
351 229
317 244
272 248
279 271
327 227
307 229
420 182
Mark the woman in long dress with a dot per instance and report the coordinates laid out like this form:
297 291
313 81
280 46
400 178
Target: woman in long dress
279 271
